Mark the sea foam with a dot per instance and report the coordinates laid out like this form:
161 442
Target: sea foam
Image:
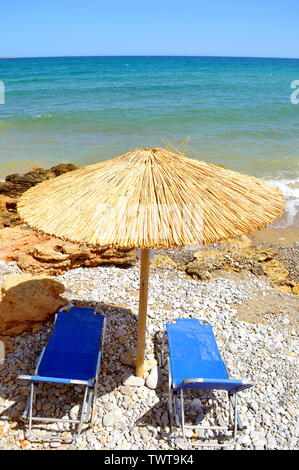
290 190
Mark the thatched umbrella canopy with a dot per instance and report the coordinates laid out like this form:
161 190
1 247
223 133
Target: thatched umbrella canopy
150 198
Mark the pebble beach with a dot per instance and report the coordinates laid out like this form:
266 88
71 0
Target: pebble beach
132 414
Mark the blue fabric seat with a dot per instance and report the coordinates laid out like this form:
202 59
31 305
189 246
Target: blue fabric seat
194 354
195 363
72 351
72 356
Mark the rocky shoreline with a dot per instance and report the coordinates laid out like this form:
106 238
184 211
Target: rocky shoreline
247 290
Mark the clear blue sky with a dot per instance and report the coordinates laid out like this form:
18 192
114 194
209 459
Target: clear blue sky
259 28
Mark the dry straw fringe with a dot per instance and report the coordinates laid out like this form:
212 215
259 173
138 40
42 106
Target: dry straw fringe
174 149
150 198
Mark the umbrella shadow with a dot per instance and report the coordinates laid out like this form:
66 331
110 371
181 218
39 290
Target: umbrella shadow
63 400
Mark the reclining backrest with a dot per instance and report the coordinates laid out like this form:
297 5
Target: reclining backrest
76 331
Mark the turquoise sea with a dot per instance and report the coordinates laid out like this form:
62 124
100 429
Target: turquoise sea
236 111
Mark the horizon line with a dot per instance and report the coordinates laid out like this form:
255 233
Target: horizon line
145 55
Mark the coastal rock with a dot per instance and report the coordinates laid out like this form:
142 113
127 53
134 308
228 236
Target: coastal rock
239 242
160 261
40 254
275 270
199 270
14 241
257 260
8 211
296 289
206 261
26 300
15 185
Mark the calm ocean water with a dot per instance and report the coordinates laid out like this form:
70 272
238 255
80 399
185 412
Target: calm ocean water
237 112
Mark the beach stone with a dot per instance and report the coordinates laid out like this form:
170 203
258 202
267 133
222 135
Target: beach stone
74 412
133 381
149 364
113 418
260 444
245 440
108 420
123 339
180 443
154 378
128 357
195 405
119 332
27 299
55 444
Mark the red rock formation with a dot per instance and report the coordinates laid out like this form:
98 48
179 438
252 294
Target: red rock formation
39 254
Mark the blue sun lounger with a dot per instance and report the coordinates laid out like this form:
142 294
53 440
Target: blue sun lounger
195 363
72 356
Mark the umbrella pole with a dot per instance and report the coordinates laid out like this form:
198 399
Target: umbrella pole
143 294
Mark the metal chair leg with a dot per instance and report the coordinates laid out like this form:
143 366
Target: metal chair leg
180 416
83 417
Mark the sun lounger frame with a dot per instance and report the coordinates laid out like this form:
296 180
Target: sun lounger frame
89 397
177 409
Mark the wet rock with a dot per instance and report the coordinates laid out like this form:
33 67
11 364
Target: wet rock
15 185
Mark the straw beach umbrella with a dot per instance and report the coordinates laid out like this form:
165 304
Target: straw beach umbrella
150 198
